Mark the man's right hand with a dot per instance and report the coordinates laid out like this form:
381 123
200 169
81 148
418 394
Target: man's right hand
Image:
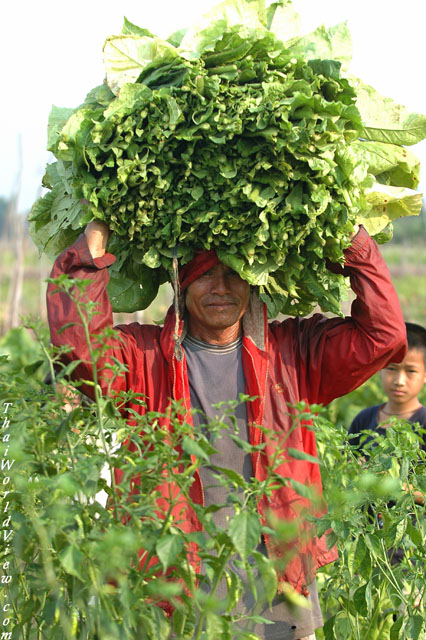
97 234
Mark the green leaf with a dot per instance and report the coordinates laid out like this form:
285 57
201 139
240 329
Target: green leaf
236 478
387 121
168 548
302 489
190 446
126 56
302 455
362 600
217 626
360 551
329 627
57 119
203 35
342 626
234 590
332 43
390 163
388 203
414 627
268 575
283 21
152 258
415 535
132 29
125 288
30 369
394 633
365 566
244 532
71 559
396 532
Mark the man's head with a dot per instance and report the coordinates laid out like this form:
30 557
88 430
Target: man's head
216 301
403 381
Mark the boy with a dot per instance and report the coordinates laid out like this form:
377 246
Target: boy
402 384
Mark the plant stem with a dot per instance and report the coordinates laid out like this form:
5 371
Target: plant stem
218 578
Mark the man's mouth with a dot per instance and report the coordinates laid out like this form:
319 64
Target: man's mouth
220 305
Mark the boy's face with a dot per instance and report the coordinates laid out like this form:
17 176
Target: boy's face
403 381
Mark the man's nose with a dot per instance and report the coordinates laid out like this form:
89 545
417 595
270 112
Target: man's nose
220 284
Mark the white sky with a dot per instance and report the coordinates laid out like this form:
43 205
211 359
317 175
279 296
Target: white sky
51 53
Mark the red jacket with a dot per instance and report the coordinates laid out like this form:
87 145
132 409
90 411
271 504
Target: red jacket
312 359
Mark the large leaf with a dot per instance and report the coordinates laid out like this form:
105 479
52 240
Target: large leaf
126 56
333 43
129 28
168 548
71 558
268 574
388 203
132 286
283 21
244 531
203 34
57 118
385 120
392 163
56 218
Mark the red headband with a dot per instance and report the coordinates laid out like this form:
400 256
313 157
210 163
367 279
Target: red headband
201 263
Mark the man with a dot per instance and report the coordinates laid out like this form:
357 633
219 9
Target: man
223 345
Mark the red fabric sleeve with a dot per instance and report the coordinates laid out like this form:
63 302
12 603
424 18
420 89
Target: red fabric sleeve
337 355
78 263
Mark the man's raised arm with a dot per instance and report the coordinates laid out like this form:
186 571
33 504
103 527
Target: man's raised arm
86 259
339 354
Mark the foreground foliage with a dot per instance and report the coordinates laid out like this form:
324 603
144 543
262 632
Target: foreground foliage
374 519
72 554
73 557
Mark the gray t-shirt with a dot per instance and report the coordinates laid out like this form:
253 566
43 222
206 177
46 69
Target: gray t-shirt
216 375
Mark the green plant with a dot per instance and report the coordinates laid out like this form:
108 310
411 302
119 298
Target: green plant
73 556
373 516
85 568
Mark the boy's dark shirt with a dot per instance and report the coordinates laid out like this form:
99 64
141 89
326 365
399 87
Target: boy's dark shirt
367 419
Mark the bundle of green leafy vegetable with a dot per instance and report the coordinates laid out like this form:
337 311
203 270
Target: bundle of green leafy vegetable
237 135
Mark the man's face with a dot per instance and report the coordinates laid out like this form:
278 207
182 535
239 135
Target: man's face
216 301
403 381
